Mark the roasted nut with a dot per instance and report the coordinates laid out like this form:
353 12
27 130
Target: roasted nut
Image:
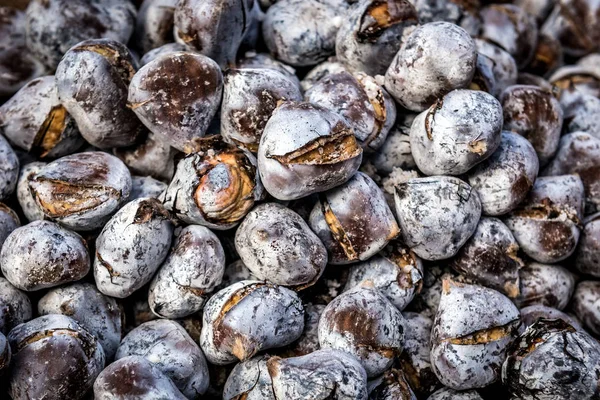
484 78
585 305
370 36
512 28
235 272
248 317
53 26
460 12
164 49
457 132
250 380
548 55
552 360
392 385
167 345
569 21
35 121
361 101
353 220
397 272
215 186
309 340
83 190
146 187
546 225
154 25
364 323
5 354
426 302
253 60
450 394
17 65
331 66
9 221
588 252
582 113
528 79
533 313
535 114
490 257
215 28
276 244
302 32
549 285
131 247
439 53
132 378
15 307
540 9
53 357
9 169
415 359
323 374
100 315
306 149
192 270
473 327
437 215
151 157
504 66
250 96
92 80
395 151
574 80
43 254
177 110
503 180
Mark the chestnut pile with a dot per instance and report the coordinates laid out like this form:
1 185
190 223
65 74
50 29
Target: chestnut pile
300 199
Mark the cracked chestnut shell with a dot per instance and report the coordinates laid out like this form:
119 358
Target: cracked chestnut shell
361 101
250 95
131 247
276 245
353 220
168 346
306 149
464 13
533 313
192 270
154 25
9 221
392 385
582 113
588 252
512 28
437 215
92 81
302 33
308 342
574 80
15 306
53 357
547 224
415 360
549 285
552 360
364 323
371 34
53 26
585 305
439 53
9 169
535 114
473 328
146 187
133 378
35 121
216 186
98 314
248 317
504 67
215 28
490 257
396 271
152 157
26 200
457 132
323 374
81 191
191 103
506 177
43 254
250 380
